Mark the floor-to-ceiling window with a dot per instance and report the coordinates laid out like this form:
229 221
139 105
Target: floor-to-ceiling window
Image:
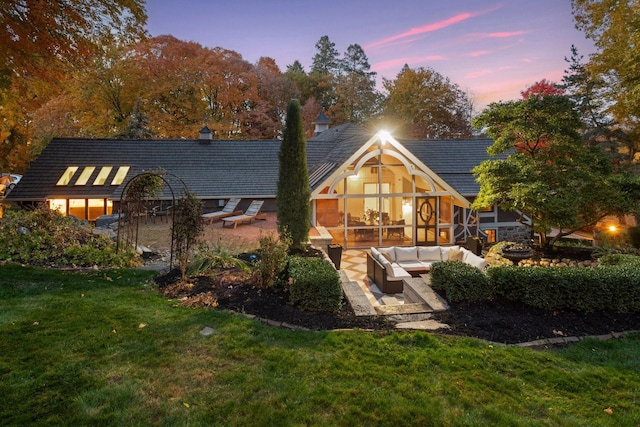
375 201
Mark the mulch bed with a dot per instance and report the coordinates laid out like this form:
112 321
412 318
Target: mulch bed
497 321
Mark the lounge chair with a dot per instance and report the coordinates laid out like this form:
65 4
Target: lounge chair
228 210
250 214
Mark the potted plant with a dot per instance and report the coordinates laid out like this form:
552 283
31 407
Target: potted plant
371 216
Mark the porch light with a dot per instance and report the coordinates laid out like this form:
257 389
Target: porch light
613 228
384 136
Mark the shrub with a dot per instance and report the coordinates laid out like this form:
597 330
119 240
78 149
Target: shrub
611 288
273 260
314 284
460 281
46 237
620 260
187 226
210 259
494 255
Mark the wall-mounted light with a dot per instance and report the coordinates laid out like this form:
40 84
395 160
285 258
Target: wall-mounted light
384 136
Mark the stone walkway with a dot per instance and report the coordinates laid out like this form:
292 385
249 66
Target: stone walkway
367 300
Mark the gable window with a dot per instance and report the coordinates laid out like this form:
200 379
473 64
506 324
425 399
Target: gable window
120 175
67 175
85 175
102 175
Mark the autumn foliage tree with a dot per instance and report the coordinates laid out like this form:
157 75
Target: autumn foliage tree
542 88
427 105
41 42
548 175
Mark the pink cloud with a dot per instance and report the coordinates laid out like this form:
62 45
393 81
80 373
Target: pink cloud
480 73
478 53
424 29
506 34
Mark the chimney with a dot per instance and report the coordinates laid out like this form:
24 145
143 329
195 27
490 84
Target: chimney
205 136
322 123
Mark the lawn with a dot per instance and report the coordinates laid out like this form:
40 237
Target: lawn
103 348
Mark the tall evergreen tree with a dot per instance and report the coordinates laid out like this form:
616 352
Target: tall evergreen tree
294 210
325 61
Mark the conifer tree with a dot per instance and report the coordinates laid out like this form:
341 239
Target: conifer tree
293 180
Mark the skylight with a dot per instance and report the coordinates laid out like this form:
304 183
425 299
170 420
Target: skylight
120 175
67 175
102 175
85 175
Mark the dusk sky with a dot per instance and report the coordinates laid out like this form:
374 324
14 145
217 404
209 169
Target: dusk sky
493 49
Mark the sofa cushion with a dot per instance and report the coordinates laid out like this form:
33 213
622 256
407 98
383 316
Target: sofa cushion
455 255
475 261
411 265
385 262
390 253
429 253
444 250
406 253
397 272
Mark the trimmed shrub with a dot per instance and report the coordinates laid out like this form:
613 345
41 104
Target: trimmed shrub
610 288
621 260
314 284
459 281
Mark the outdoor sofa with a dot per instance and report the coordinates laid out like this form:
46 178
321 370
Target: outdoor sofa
388 267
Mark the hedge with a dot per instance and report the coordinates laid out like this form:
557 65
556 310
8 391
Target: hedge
314 284
613 286
604 288
459 281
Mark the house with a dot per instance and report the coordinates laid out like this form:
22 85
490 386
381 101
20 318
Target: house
367 189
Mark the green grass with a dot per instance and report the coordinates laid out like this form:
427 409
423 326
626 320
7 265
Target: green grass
73 352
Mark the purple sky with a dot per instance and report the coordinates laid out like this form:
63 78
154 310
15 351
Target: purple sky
493 49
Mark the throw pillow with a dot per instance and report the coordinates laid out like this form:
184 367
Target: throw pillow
455 255
445 251
391 252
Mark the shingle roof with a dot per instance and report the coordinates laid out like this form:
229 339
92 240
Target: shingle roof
452 160
218 170
224 169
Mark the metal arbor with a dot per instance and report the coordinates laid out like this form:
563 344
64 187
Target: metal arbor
136 194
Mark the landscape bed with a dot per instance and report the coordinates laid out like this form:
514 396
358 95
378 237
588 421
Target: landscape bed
498 321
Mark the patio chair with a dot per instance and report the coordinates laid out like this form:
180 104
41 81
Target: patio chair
249 215
228 210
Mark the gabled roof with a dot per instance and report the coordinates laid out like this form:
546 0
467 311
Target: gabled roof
451 159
